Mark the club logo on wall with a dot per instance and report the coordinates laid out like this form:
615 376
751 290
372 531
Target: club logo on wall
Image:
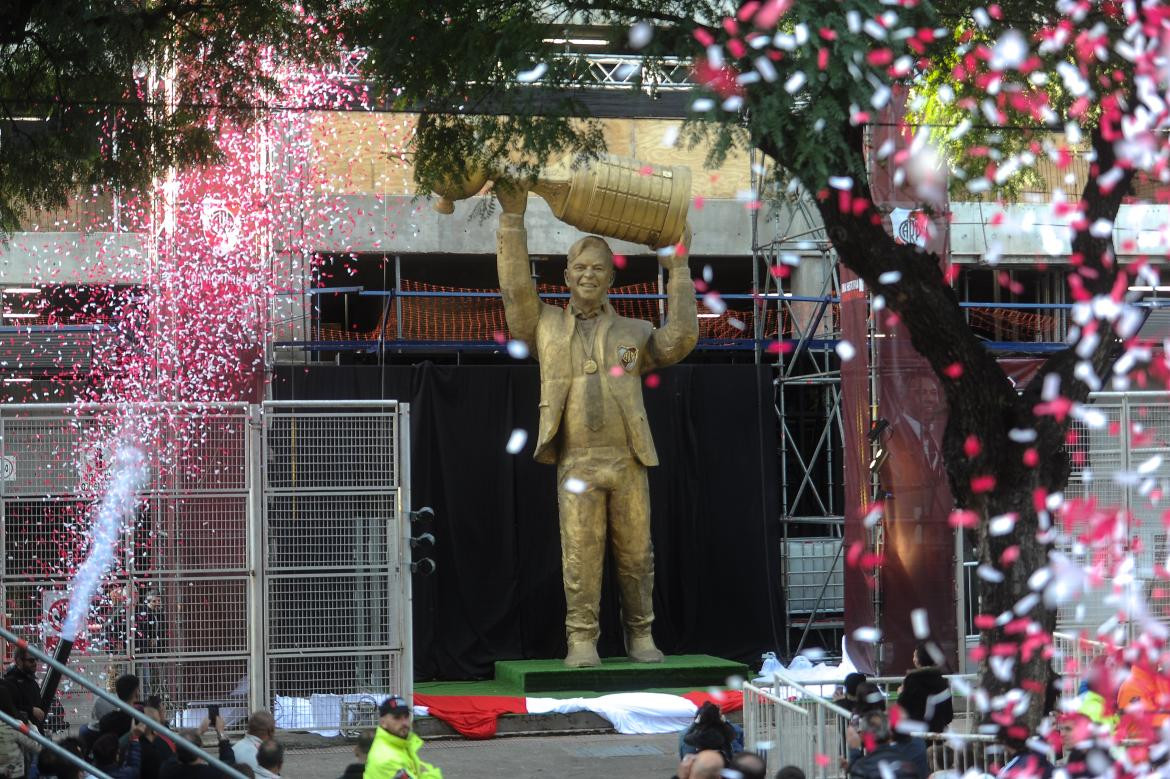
904 223
221 227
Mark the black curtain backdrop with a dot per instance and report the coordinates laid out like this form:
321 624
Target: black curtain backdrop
497 594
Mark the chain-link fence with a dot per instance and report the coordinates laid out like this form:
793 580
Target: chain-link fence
263 566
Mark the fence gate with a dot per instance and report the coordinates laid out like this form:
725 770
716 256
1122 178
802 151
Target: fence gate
267 564
335 542
174 606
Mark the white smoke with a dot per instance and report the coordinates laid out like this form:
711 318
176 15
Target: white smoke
128 477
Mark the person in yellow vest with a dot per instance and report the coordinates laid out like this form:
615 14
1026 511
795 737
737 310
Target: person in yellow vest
394 754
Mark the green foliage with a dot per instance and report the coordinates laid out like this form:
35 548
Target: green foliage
464 89
457 62
78 106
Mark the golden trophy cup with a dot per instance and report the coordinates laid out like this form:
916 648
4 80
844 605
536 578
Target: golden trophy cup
616 197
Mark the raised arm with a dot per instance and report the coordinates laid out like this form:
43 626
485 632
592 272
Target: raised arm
675 340
521 303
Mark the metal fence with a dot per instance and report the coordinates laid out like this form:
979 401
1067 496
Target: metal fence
793 722
263 567
1120 463
1073 658
336 574
789 724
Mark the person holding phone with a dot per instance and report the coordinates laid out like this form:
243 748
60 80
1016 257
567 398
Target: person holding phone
192 763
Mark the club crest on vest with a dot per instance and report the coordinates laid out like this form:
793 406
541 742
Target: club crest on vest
629 357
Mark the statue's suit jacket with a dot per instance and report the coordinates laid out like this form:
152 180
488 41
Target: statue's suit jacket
548 332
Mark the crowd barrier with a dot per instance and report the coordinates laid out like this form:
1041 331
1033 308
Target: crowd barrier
791 724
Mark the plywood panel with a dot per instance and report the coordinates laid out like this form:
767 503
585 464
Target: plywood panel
619 136
363 152
366 153
650 139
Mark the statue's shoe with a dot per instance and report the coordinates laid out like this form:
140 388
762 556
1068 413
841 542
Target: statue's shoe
642 650
582 654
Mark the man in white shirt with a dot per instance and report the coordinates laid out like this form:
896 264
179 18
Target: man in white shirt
261 728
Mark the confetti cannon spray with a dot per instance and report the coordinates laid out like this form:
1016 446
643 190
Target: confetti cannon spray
126 479
618 197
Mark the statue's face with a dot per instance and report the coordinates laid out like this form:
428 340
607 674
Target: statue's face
589 275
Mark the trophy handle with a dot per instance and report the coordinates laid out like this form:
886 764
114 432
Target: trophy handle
555 193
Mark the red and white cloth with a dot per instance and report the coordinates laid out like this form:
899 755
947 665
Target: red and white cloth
475 716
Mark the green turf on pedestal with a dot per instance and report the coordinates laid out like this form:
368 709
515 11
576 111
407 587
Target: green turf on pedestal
618 674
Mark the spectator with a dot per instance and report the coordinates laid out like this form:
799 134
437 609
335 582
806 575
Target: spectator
50 764
848 697
708 764
1098 693
1022 762
750 765
395 747
361 751
882 759
26 690
925 695
1082 756
156 749
869 697
191 763
261 728
789 772
105 754
270 760
709 731
11 755
117 722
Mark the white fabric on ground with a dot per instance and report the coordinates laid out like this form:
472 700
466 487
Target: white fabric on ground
631 713
319 713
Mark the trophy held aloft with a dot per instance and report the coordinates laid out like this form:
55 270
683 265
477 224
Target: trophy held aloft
617 197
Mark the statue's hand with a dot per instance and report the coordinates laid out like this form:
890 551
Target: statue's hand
513 197
679 256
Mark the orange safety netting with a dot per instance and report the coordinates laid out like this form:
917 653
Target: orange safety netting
466 317
1012 324
452 316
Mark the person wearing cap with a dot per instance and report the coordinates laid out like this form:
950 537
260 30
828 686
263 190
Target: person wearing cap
394 754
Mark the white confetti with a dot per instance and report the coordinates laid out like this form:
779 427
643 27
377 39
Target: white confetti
920 622
1009 52
528 76
641 34
575 485
867 635
890 277
846 351
1001 525
988 573
518 350
517 440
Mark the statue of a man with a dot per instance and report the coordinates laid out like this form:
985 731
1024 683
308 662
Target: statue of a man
592 420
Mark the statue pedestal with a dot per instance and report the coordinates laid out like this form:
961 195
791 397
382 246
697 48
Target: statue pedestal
618 674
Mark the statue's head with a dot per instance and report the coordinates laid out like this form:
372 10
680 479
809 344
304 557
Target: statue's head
589 271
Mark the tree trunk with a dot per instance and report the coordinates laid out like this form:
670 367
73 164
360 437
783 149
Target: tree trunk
983 403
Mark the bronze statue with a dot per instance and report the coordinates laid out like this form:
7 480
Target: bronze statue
592 420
